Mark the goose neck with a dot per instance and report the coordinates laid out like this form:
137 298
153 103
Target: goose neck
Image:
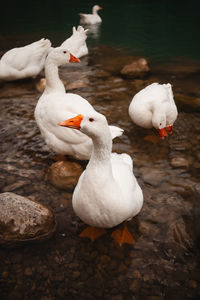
101 152
53 81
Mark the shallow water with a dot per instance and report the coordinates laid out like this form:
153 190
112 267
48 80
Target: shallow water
163 263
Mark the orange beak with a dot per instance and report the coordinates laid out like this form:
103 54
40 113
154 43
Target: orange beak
162 133
73 59
169 129
100 7
74 123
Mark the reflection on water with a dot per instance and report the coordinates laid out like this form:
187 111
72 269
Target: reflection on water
94 31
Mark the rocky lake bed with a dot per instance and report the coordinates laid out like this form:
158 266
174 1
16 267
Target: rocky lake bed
164 262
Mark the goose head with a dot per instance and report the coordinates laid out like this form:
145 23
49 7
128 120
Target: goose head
96 8
60 56
159 122
93 125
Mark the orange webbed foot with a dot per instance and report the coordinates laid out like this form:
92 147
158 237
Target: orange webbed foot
123 236
92 232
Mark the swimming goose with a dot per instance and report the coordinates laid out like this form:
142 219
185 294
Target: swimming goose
154 106
107 192
55 104
76 43
93 18
24 62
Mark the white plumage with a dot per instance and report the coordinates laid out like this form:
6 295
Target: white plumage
154 106
76 43
107 192
24 62
55 104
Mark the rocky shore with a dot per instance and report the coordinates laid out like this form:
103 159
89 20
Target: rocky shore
163 264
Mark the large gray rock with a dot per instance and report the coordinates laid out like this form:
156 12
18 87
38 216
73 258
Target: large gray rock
22 219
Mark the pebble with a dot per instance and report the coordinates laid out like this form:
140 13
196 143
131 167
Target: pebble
178 162
138 68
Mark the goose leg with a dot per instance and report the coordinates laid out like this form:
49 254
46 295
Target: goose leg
92 232
122 236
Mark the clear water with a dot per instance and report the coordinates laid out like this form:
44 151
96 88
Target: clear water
158 30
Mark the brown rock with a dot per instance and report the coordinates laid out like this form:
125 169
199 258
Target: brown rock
138 68
178 162
64 174
22 219
76 85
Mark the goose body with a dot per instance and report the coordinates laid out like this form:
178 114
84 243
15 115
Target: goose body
107 192
154 106
55 104
24 62
76 44
93 18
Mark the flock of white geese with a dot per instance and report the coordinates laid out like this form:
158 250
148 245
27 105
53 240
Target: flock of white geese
107 193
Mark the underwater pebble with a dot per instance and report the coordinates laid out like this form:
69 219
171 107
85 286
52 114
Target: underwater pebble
178 162
138 68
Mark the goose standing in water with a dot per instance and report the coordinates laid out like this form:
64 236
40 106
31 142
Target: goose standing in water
93 18
55 105
107 192
154 106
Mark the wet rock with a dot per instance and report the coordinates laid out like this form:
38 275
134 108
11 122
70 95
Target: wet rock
76 85
187 102
64 174
22 219
178 162
138 68
41 84
153 176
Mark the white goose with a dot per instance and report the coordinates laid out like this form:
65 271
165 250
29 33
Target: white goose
93 18
55 104
24 62
76 43
154 106
107 192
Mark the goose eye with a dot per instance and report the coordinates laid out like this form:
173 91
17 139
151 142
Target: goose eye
64 52
91 119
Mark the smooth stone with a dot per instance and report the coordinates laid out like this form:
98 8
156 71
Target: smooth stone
76 85
41 84
64 174
22 219
153 176
138 68
178 162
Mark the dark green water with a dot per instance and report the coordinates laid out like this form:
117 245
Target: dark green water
157 29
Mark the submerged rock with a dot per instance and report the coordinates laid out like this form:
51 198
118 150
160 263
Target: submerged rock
178 162
138 68
64 174
22 219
